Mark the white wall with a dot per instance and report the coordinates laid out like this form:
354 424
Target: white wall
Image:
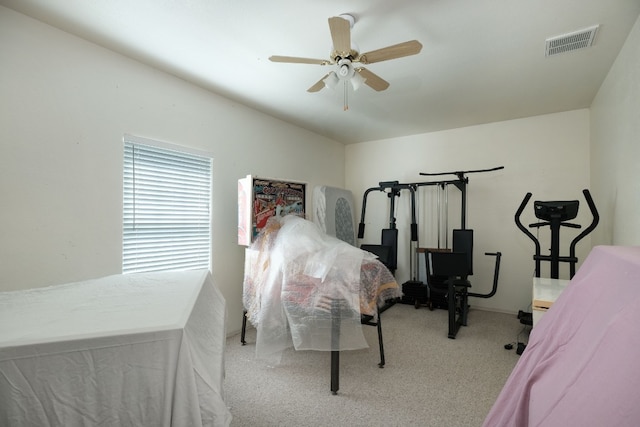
615 147
545 155
65 105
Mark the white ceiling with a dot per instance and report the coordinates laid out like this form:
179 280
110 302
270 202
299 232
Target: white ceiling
482 60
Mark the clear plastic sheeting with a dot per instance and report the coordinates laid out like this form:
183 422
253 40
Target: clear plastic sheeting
306 289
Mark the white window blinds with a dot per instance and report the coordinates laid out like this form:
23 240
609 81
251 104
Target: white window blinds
166 209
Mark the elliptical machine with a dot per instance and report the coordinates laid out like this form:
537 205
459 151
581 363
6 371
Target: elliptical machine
555 214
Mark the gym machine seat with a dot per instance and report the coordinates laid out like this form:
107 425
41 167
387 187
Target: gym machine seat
448 273
455 267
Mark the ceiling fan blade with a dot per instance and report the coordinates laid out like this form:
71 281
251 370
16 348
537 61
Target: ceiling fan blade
341 35
296 60
373 80
391 52
318 85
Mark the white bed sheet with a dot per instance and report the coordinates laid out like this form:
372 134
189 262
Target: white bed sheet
125 350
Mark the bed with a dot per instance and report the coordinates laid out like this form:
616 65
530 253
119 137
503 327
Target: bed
580 367
123 350
311 291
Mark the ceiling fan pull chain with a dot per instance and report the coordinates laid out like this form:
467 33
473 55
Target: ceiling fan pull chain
346 96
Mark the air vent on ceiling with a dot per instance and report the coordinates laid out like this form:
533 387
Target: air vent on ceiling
571 41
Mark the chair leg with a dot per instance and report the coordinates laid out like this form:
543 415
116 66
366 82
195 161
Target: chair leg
335 344
335 372
244 327
380 344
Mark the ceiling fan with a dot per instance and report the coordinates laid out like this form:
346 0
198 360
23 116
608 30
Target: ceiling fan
346 56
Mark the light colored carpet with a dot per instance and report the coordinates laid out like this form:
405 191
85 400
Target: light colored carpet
428 379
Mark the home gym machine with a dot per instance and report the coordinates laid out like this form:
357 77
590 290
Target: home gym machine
555 214
447 270
443 288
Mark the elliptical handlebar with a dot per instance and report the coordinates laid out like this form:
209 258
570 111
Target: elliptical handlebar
563 224
522 228
589 229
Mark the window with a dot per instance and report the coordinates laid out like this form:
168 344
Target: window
166 208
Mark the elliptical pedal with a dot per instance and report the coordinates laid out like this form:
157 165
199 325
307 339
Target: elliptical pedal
525 318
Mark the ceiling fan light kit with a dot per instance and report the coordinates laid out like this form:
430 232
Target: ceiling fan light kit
348 17
357 80
345 53
345 71
331 80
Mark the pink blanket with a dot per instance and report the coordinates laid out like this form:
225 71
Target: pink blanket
581 366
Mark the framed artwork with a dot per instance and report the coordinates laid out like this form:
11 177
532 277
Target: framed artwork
261 198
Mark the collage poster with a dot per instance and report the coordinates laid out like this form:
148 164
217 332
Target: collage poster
265 198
